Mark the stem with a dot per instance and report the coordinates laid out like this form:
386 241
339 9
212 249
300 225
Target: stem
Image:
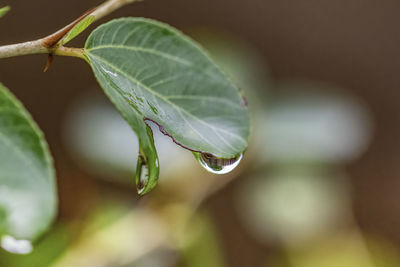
69 52
31 47
47 44
109 6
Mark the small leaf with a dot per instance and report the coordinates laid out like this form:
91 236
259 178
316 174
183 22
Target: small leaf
27 183
4 10
152 72
77 29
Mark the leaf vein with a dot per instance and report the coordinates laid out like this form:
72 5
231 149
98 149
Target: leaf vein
144 50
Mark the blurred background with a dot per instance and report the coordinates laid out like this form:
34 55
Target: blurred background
318 185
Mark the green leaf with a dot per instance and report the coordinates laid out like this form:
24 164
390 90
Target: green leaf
77 29
4 10
27 183
152 72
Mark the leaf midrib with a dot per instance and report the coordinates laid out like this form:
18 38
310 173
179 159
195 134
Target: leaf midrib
145 50
158 53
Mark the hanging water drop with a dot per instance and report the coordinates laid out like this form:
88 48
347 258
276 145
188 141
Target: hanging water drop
16 246
142 174
218 165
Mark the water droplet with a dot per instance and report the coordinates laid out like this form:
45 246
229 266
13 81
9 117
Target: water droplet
142 174
218 165
16 246
109 72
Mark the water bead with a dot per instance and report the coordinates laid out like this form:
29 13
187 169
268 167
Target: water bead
218 165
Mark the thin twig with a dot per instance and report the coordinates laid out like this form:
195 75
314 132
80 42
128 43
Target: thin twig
109 6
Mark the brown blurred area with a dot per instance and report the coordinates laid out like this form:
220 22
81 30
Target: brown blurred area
353 44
